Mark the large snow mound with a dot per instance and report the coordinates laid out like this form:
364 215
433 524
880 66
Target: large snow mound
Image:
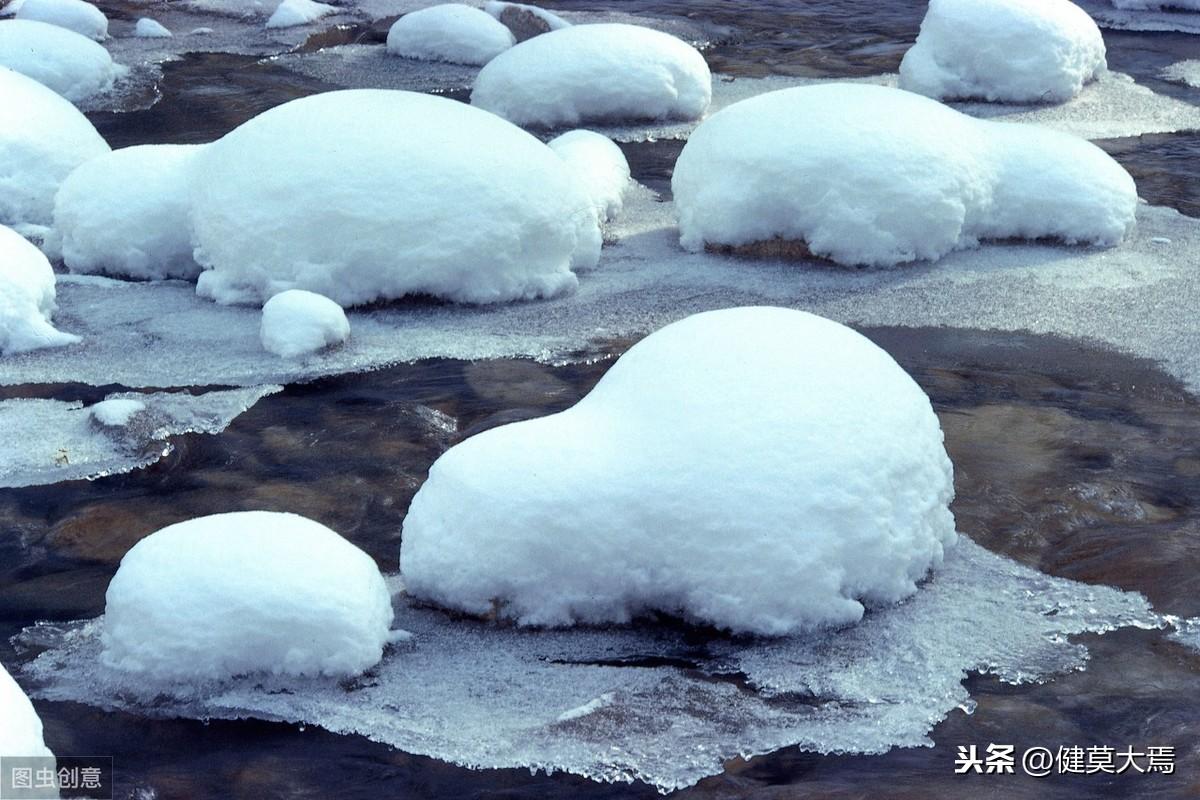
26 297
450 32
607 71
246 592
76 15
599 165
291 13
42 138
1007 50
21 730
868 175
365 195
296 322
126 214
760 469
70 64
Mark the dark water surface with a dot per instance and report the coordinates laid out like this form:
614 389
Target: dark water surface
1081 463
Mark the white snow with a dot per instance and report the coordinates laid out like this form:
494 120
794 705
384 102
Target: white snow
64 441
21 728
116 412
245 592
147 28
26 297
291 13
367 195
489 696
599 165
1004 50
868 175
76 15
1186 72
296 323
595 72
42 138
449 32
70 64
758 469
126 214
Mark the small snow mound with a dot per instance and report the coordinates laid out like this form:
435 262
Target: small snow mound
126 214
450 32
296 323
70 64
367 195
868 175
806 479
245 592
76 15
42 138
147 28
601 72
116 413
26 297
21 733
291 13
1004 50
525 21
599 165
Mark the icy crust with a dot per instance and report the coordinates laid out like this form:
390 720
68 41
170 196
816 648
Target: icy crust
1007 50
21 733
601 72
125 214
144 334
70 64
66 441
421 194
249 592
634 501
1186 72
451 32
484 696
42 138
1145 15
869 175
27 293
75 15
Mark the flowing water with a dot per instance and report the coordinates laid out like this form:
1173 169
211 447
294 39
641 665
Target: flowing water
1068 458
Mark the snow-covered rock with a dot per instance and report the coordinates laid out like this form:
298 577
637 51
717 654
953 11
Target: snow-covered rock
26 297
76 15
296 322
290 13
116 413
42 138
449 32
525 21
147 28
126 214
599 165
1004 50
868 175
245 592
20 726
367 195
601 72
70 64
762 470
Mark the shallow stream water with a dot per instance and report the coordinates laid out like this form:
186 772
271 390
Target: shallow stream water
1068 458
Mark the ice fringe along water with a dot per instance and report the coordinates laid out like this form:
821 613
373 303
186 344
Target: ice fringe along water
584 701
63 441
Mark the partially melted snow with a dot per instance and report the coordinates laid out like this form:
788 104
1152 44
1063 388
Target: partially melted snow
585 701
62 441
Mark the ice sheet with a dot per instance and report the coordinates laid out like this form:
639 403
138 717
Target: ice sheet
1185 72
642 703
1108 16
59 441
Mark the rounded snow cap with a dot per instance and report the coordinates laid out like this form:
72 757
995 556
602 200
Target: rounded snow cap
762 470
